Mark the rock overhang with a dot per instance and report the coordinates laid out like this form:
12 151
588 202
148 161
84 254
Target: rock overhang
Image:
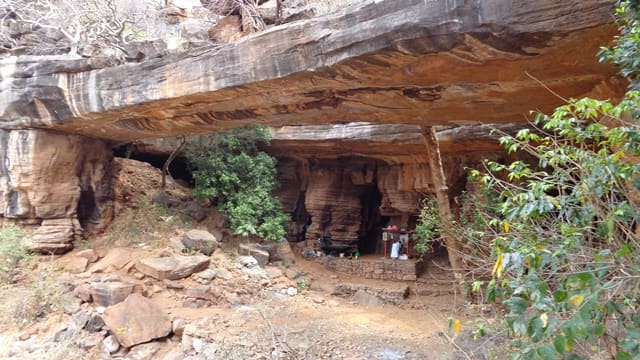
424 62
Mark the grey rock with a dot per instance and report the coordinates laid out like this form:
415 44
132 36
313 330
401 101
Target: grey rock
207 274
362 297
90 341
195 211
261 255
95 323
200 240
247 261
110 344
80 319
70 305
110 293
198 292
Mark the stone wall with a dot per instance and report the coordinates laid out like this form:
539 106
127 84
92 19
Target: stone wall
58 183
384 269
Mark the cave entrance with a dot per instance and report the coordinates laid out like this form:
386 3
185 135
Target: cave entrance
301 220
86 207
179 169
372 222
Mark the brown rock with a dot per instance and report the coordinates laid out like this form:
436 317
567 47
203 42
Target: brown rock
57 178
172 15
88 254
76 265
137 320
227 29
116 258
198 292
82 292
429 74
172 268
110 293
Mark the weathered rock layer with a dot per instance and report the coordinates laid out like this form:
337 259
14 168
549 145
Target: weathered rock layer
395 61
59 182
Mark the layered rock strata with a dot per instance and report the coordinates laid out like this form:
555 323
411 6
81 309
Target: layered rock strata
395 61
58 183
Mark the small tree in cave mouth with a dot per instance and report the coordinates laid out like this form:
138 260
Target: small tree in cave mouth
229 168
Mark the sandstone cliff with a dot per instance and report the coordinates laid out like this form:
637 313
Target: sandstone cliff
395 61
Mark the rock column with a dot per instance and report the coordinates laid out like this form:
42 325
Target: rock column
58 183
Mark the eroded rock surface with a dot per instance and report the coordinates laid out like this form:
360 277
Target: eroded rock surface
393 61
60 182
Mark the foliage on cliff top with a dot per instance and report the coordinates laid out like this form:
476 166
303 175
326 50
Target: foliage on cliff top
230 169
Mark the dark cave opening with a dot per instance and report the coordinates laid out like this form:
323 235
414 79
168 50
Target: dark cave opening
86 207
300 220
179 168
372 222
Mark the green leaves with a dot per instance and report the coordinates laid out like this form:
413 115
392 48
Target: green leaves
232 170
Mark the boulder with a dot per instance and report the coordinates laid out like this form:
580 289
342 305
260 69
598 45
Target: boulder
262 256
53 236
137 320
194 210
363 297
90 341
200 240
172 268
110 293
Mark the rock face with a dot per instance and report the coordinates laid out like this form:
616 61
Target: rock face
59 182
172 268
394 61
348 181
137 320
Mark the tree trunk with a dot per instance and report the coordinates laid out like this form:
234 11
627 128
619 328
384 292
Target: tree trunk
442 196
165 167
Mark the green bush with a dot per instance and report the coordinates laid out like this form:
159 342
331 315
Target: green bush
566 262
11 252
566 237
230 169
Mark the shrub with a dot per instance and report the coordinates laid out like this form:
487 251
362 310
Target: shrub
230 169
565 256
11 252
